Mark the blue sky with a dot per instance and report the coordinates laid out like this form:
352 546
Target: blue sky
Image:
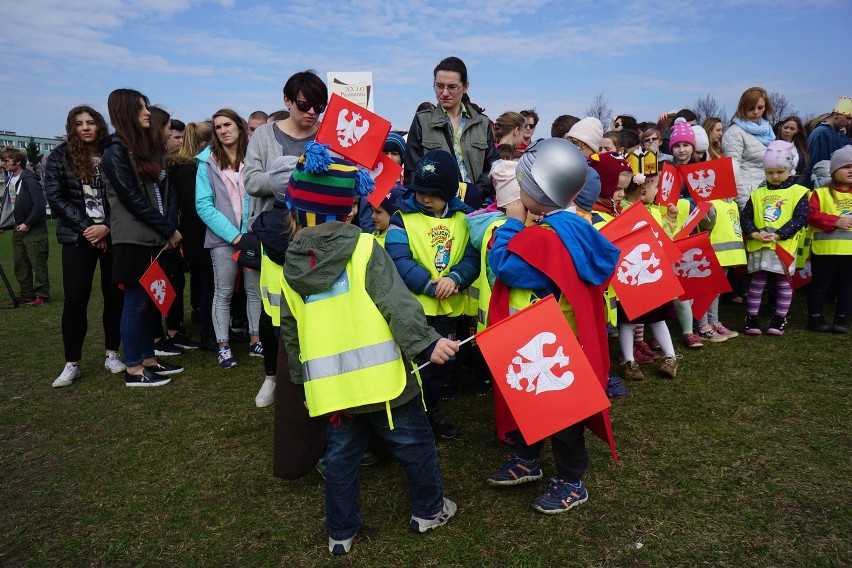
194 57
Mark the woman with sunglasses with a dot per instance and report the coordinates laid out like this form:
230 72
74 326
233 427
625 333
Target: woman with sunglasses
305 96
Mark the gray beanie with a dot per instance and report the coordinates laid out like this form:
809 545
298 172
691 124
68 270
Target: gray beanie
585 200
840 158
279 175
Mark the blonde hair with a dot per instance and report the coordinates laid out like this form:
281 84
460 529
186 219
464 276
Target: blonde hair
196 136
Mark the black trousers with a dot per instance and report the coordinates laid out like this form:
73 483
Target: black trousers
569 451
78 271
831 269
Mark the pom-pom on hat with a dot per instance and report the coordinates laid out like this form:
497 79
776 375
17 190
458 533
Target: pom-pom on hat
682 132
609 167
702 142
505 180
589 131
394 143
552 172
585 200
437 172
323 188
782 155
840 158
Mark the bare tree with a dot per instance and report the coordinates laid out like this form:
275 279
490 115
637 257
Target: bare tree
707 106
783 106
601 110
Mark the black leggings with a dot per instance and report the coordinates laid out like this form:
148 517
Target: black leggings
269 338
78 271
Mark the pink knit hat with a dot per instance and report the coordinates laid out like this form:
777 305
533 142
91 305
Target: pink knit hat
681 132
781 155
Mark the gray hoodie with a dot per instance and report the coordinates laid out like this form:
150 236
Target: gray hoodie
314 260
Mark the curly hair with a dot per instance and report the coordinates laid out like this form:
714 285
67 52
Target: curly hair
78 156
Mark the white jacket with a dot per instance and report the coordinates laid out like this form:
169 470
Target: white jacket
747 153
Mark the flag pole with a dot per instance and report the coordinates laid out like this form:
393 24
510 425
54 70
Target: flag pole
428 362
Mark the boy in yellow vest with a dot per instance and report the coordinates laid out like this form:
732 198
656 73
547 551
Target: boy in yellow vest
350 328
429 243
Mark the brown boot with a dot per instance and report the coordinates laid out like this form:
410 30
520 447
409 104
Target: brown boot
669 367
630 370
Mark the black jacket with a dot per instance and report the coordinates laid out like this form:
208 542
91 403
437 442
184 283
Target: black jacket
134 215
29 201
272 227
65 195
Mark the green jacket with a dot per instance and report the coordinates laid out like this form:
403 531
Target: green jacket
315 258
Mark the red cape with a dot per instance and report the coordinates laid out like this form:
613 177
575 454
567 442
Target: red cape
542 249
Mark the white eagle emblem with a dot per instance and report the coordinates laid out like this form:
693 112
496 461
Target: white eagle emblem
666 183
689 266
636 270
536 369
349 132
158 287
702 183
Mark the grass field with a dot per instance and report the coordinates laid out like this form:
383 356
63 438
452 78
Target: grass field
743 460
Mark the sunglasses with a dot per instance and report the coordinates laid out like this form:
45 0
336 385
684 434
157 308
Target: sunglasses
305 106
529 127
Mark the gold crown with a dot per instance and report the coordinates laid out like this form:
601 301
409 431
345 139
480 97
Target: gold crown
844 106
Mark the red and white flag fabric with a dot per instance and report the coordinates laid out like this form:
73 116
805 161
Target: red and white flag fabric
788 261
644 278
802 276
159 288
353 132
385 175
710 180
699 273
670 184
634 218
541 371
695 216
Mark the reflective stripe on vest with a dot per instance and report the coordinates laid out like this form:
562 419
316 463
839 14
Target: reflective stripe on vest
772 209
726 236
352 360
483 284
271 275
348 353
838 241
437 245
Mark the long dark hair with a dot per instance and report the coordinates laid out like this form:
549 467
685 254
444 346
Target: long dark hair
78 155
124 106
800 139
218 149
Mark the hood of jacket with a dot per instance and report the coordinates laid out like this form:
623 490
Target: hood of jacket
108 141
273 229
317 256
478 224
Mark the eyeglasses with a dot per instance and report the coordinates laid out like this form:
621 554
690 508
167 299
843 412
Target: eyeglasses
7 160
651 139
454 88
305 106
529 126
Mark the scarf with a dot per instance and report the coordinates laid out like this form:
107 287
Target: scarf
236 193
761 130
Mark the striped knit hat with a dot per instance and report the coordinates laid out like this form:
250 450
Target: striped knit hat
323 188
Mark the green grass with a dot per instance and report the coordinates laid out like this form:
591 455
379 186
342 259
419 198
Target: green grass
741 461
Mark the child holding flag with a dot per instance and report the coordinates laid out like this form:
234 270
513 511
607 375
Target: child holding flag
551 173
350 328
774 216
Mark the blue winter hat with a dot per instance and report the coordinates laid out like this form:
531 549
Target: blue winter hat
394 143
585 200
391 201
437 172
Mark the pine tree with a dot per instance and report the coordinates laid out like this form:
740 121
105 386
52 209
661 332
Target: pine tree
33 155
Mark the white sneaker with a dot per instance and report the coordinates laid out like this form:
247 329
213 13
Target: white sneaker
113 363
68 375
266 395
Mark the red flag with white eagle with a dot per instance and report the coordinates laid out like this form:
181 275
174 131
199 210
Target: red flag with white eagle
695 216
699 273
788 261
643 277
634 218
670 184
353 132
541 371
159 288
385 175
710 180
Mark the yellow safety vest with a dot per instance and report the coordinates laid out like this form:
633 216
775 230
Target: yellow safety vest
348 354
838 241
380 238
438 245
772 209
605 218
727 234
271 275
610 298
520 298
483 286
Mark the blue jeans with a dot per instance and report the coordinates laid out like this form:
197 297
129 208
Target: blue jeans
139 322
412 443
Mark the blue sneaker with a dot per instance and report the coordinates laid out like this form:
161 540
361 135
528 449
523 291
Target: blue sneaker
226 357
615 388
560 496
515 472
